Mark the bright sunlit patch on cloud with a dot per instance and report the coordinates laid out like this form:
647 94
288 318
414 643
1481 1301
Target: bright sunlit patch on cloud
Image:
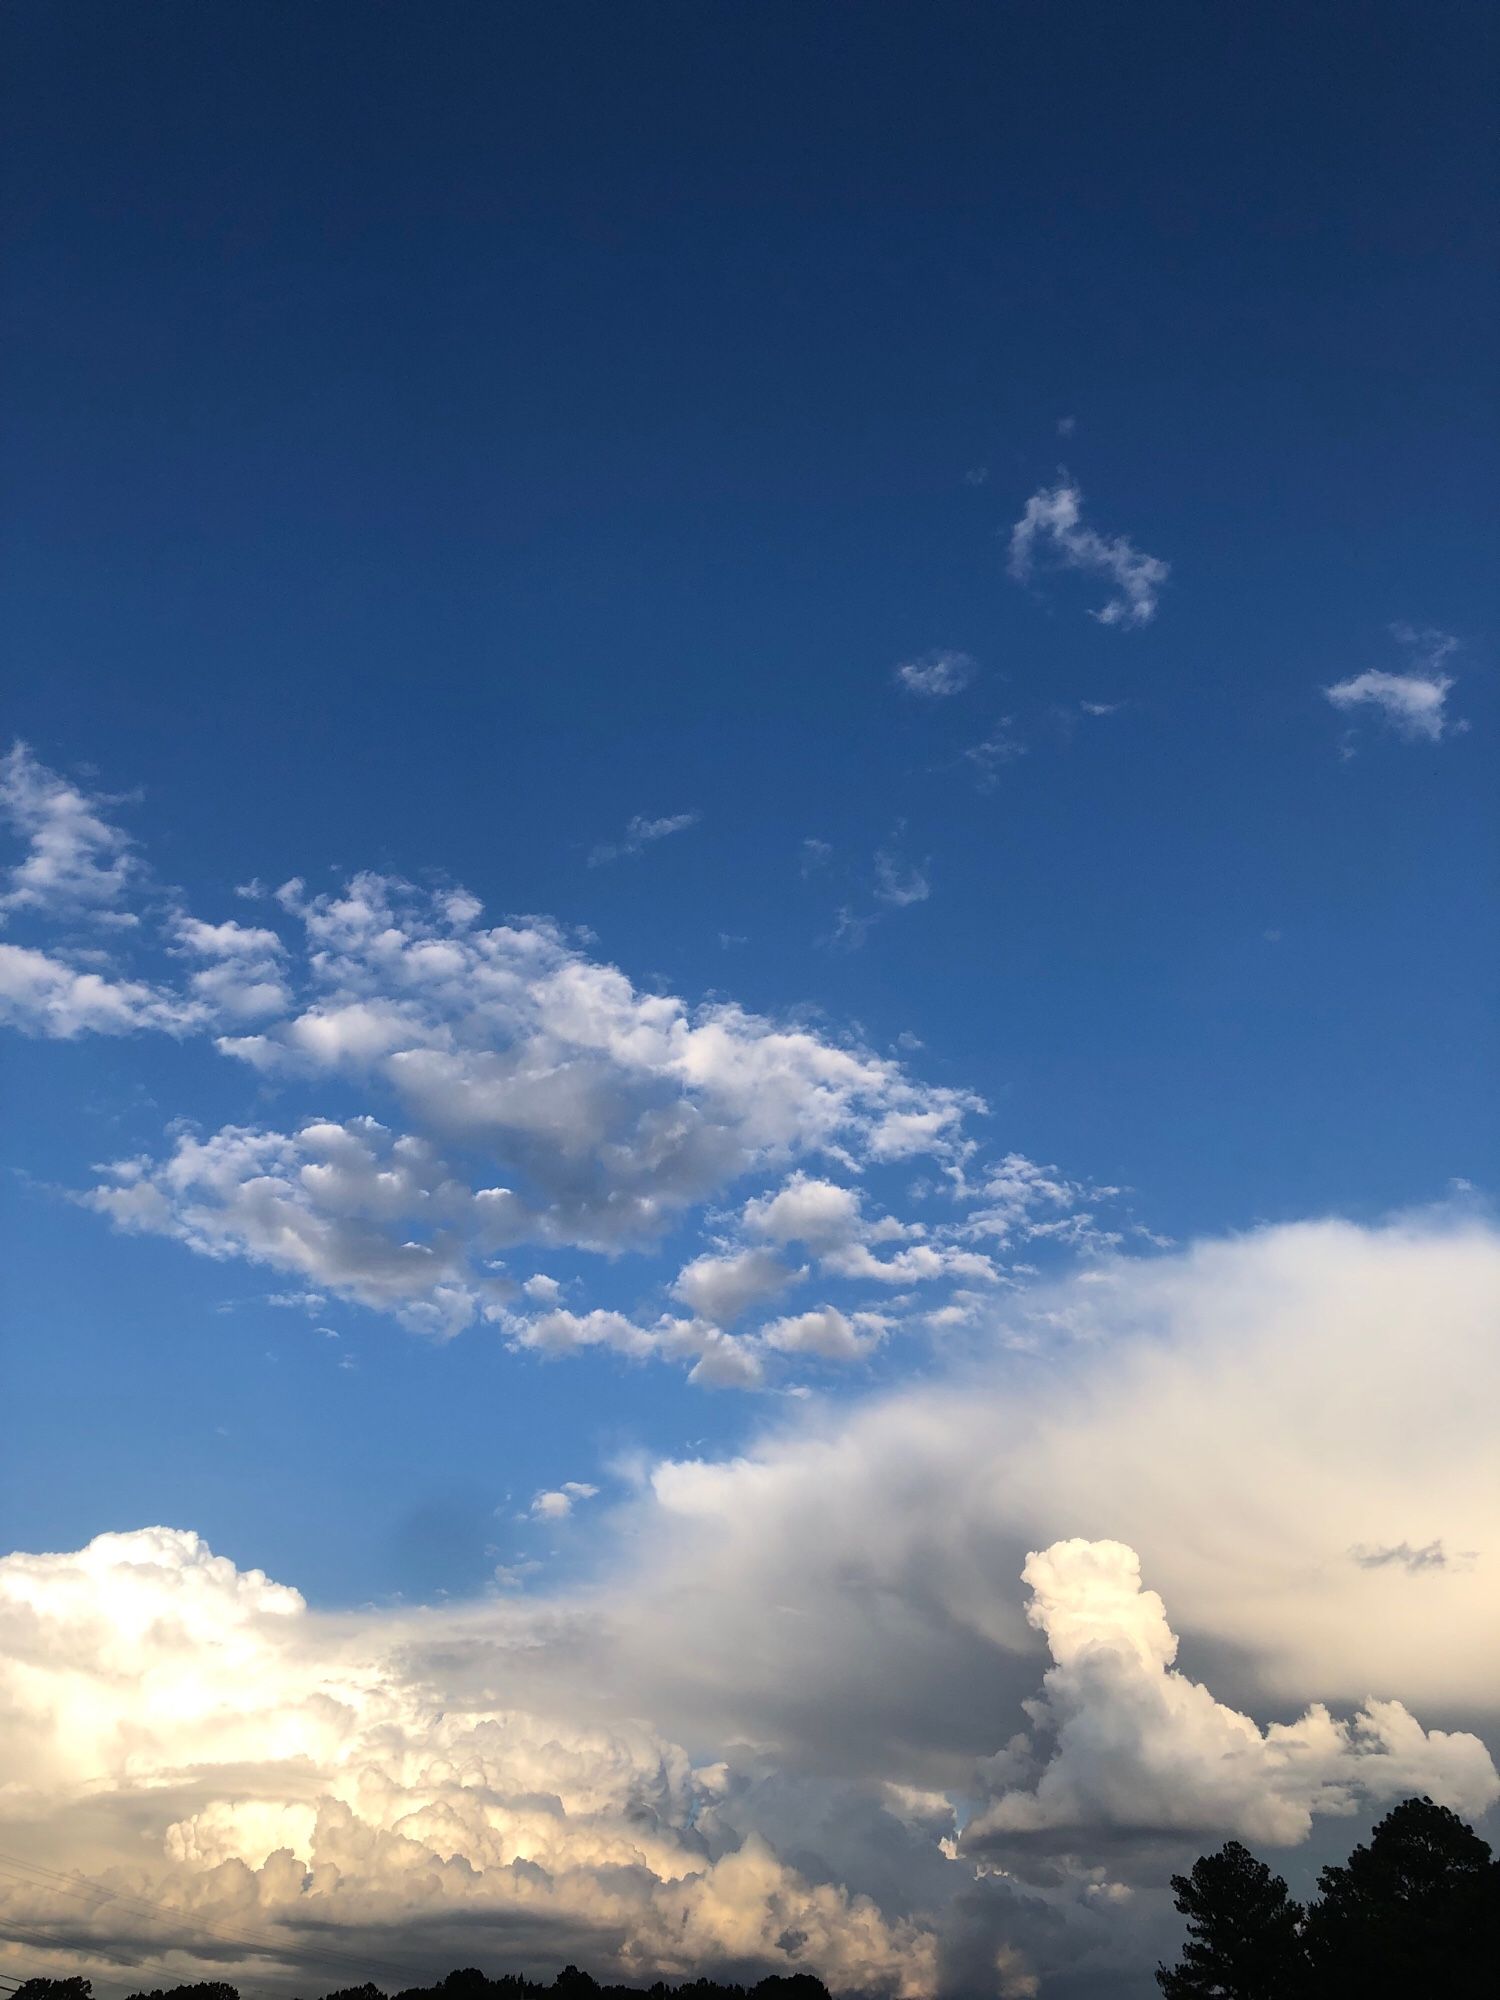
484 1772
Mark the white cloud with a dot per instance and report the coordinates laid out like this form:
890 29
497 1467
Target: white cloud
990 757
826 1333
76 861
1413 704
640 834
43 995
1292 1394
721 1287
376 1218
1243 1414
529 1095
248 1765
936 675
610 1112
806 1210
1141 1747
243 978
557 1503
1052 520
900 882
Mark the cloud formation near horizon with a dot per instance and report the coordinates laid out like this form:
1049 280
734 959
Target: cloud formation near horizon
402 1781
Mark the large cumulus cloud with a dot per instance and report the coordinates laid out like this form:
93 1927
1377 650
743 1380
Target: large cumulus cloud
929 1695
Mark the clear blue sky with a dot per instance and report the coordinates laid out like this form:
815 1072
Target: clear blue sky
439 438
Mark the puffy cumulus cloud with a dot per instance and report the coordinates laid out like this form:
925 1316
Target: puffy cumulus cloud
808 1210
76 861
239 974
620 1108
518 1093
557 1503
1292 1395
722 1287
719 1360
1143 1749
249 1781
850 1624
42 994
374 1217
827 1333
1052 523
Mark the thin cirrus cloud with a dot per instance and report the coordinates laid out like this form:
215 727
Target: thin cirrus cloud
1052 527
1004 1537
640 834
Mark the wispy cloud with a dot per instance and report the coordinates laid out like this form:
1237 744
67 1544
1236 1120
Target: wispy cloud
640 834
936 674
1052 522
899 882
1401 1555
989 758
1414 704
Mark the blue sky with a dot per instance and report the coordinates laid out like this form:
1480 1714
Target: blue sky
517 451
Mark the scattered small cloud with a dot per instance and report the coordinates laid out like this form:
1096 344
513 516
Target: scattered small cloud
640 834
898 882
1066 426
935 675
556 1503
989 758
815 855
976 475
1401 1555
851 927
1052 520
1101 707
1413 703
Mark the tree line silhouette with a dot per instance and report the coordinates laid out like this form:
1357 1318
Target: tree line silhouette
1414 1914
570 1984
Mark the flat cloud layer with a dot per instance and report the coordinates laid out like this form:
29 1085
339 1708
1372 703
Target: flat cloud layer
919 1715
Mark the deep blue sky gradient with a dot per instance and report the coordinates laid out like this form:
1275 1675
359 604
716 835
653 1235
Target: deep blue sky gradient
437 434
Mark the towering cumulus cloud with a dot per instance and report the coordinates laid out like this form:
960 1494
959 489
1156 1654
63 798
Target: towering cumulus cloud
883 1697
